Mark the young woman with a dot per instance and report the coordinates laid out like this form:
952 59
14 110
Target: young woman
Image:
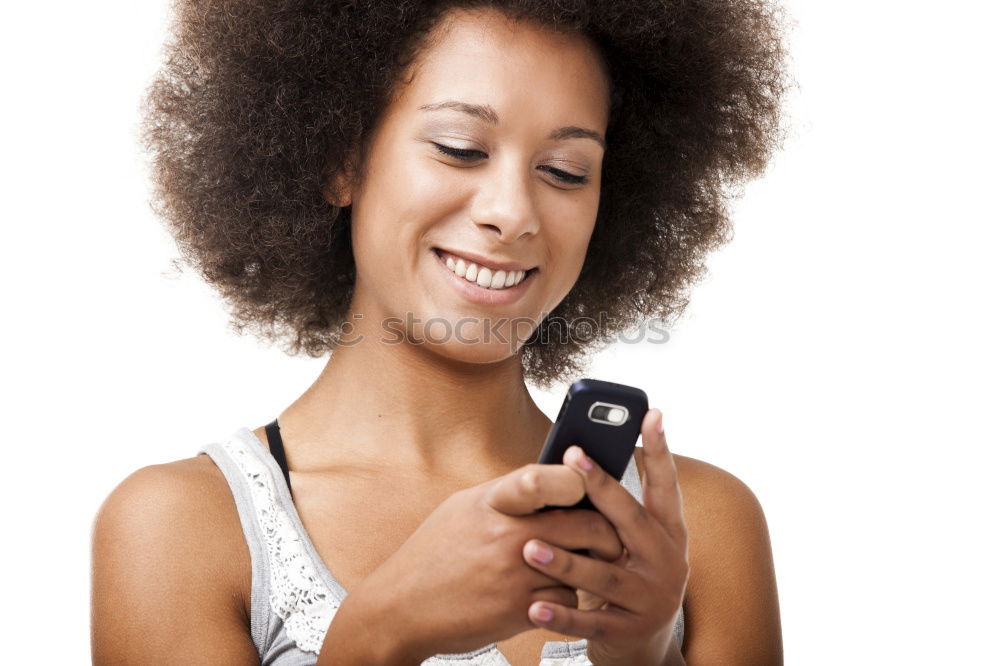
419 189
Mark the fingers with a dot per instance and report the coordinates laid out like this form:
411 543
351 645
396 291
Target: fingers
608 581
661 490
578 529
588 624
557 594
531 487
629 518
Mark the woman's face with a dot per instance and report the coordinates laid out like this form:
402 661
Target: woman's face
490 155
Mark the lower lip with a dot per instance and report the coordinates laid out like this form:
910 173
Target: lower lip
482 295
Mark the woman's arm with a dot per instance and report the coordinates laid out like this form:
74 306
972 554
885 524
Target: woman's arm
731 611
168 557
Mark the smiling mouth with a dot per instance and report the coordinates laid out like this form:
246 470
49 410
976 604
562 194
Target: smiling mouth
483 276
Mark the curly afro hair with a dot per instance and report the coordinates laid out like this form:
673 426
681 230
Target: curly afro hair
259 103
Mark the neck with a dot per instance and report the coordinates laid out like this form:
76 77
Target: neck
407 407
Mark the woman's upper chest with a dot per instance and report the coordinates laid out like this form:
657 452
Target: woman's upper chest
357 521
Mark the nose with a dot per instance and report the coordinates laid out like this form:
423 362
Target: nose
505 205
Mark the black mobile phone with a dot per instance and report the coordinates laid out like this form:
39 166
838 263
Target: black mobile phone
602 418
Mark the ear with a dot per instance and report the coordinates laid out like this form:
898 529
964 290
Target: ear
336 193
339 191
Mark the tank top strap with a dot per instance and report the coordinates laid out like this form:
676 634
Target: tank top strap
278 450
252 534
290 582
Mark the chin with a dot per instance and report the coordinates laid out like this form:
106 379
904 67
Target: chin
474 353
473 344
472 338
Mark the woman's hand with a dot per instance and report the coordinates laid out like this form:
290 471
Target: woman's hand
459 581
628 607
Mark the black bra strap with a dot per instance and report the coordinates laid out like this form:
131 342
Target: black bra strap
278 450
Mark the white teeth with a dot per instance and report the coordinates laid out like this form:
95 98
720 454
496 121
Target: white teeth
484 277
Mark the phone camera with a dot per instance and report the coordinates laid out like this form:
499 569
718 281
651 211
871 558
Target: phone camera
610 414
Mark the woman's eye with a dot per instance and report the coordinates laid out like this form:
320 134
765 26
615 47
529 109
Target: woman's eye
568 177
467 155
458 153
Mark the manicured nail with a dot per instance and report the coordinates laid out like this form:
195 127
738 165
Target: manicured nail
584 462
540 553
659 423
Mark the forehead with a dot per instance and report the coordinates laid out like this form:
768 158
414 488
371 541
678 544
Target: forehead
527 72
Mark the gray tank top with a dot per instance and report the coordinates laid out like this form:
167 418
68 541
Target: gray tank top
293 596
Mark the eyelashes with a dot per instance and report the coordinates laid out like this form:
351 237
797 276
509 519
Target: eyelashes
460 153
469 155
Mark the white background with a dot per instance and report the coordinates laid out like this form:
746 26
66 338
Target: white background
840 358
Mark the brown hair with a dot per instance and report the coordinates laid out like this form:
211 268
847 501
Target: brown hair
259 103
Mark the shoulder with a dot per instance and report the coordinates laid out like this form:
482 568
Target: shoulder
726 521
707 487
182 511
191 493
731 602
711 488
167 541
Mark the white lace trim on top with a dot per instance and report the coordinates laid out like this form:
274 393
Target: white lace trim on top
577 660
492 657
298 595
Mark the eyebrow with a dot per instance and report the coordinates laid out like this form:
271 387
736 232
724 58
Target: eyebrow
488 114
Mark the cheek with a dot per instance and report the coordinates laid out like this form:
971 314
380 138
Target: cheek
574 236
578 252
569 249
402 197
419 193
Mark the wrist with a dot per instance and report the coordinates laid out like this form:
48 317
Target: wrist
658 651
364 631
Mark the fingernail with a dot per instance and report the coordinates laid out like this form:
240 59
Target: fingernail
540 553
584 462
543 613
659 423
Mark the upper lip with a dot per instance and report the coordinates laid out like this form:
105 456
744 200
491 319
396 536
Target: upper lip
481 260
